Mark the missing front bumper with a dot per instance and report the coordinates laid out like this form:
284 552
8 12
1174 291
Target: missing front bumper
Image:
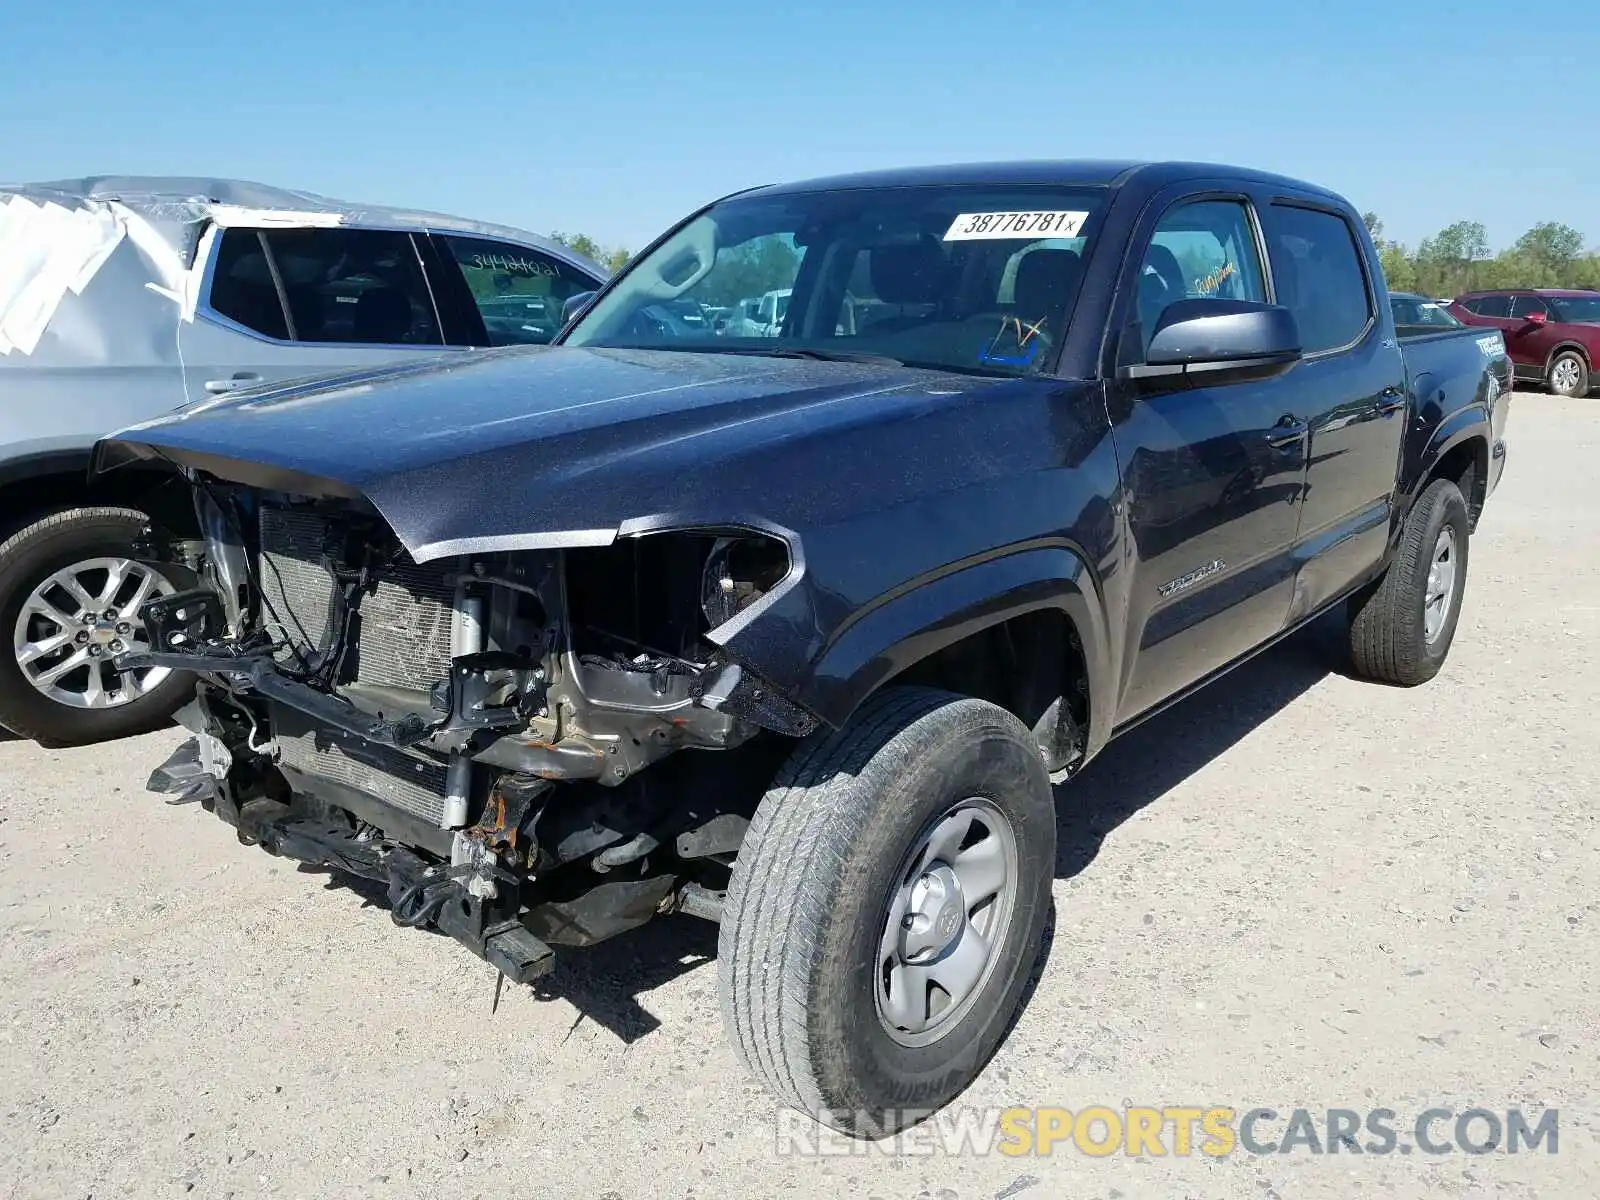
421 894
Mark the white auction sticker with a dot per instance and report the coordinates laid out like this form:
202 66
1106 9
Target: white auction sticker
972 227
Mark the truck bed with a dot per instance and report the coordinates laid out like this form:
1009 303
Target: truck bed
1452 372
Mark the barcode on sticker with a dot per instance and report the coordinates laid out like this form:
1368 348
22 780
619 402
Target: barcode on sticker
971 227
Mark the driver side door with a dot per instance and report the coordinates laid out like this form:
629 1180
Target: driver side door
1213 476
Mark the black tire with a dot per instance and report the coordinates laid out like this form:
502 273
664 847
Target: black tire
807 906
1388 627
27 559
1577 372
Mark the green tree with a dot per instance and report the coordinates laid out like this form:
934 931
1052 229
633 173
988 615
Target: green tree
1398 271
1457 259
759 266
1585 273
1446 263
1552 244
1463 242
612 258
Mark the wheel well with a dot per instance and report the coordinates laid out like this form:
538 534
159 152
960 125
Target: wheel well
161 494
1032 666
1578 348
1467 466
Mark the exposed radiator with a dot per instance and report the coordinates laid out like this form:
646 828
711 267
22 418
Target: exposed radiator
406 779
405 620
404 642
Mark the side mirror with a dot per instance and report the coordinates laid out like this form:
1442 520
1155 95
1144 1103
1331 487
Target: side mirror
574 305
1537 318
1200 343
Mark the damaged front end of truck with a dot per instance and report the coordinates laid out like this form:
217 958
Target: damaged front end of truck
473 730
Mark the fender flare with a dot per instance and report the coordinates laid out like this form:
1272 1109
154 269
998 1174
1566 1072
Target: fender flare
1459 428
915 622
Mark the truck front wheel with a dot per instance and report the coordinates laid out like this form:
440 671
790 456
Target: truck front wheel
885 909
1401 628
70 592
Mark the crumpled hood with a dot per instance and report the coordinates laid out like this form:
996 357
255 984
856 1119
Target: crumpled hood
550 446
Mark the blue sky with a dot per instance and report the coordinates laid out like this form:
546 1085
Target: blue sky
617 118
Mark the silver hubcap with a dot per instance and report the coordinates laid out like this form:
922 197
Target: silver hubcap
1441 593
1565 376
77 622
947 920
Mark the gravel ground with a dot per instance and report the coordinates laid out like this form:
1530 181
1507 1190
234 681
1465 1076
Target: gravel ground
1295 890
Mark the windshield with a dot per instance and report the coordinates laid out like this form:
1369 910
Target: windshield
1413 310
974 278
1576 308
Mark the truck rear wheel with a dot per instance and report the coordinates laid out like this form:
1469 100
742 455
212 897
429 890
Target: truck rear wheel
885 908
70 590
1401 629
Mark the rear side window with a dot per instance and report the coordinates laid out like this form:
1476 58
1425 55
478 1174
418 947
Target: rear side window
242 288
1317 268
360 286
354 285
1490 306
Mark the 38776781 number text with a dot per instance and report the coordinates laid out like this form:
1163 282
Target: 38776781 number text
978 226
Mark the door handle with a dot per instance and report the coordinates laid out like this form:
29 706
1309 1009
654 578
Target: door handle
240 379
1391 401
1287 432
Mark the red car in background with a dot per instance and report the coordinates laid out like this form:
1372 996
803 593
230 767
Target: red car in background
1552 335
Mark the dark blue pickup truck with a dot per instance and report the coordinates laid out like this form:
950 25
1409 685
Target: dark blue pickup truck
1035 451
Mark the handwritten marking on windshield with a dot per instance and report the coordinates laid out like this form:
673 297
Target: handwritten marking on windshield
510 264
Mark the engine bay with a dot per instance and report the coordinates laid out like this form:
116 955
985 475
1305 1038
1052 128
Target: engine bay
474 731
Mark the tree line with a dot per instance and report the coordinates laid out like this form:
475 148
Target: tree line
612 258
1457 259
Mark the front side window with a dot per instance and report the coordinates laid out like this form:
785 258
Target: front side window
353 285
519 291
1316 266
1201 250
1576 308
1526 306
975 278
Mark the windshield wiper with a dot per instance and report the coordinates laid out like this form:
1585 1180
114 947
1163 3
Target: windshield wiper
850 356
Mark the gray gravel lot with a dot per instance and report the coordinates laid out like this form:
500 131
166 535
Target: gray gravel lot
1295 890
